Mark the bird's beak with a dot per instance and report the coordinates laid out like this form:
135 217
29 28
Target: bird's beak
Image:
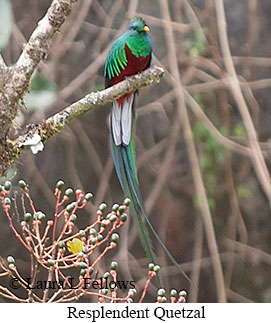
146 28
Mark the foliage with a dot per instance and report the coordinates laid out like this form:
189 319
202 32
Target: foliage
195 43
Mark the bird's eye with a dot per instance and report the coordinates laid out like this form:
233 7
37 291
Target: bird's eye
134 27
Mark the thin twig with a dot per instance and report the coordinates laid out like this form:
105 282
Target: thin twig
257 156
195 168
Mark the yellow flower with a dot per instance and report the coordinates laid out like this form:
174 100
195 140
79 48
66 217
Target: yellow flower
75 246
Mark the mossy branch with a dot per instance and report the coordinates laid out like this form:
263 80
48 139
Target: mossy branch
53 125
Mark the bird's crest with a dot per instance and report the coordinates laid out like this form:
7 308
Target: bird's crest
137 23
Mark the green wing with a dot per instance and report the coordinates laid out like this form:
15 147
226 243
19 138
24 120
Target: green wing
116 59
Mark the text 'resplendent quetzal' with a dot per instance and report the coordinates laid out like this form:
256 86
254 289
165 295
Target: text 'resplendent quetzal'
130 54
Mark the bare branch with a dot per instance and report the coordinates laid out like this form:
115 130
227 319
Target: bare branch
194 162
257 156
226 142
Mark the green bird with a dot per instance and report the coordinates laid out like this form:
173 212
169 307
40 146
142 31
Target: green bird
130 54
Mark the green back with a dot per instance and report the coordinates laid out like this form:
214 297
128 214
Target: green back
138 42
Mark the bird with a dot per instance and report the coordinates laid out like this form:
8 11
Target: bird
130 54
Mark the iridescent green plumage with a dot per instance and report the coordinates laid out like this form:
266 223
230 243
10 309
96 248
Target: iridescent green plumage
116 60
138 42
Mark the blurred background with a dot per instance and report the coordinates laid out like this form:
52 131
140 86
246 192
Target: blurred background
215 222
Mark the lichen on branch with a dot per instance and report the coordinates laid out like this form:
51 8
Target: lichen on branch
54 124
15 80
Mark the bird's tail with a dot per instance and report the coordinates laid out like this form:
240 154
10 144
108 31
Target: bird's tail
124 160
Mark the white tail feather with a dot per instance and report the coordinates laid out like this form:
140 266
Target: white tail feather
126 119
122 121
115 122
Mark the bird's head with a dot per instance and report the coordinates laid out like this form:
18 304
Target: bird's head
138 26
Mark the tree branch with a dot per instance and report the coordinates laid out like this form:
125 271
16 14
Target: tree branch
39 43
15 80
257 156
53 125
2 65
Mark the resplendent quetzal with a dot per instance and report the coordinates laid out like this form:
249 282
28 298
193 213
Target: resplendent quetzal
130 54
